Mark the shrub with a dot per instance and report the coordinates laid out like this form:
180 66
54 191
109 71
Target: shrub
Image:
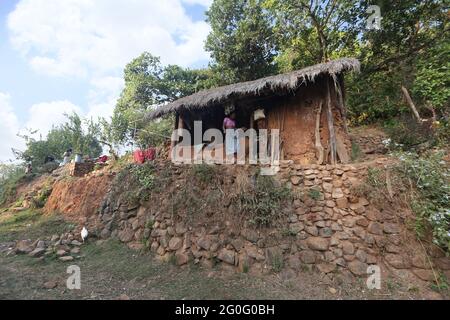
10 177
264 201
430 177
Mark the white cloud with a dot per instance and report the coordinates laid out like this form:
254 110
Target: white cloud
95 37
9 127
43 116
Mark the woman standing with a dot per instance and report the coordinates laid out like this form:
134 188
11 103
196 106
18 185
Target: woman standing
231 140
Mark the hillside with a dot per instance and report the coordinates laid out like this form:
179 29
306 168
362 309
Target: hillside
310 232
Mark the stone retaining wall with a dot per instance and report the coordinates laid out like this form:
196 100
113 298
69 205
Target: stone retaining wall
329 229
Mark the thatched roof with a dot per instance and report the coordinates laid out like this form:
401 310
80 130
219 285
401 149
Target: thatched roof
233 92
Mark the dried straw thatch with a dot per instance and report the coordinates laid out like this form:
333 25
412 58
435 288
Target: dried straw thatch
233 92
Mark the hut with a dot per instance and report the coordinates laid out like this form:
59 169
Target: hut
307 106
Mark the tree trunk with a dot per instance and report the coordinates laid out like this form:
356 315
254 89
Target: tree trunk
411 104
331 126
319 147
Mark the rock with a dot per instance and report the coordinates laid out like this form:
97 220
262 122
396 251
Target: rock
296 227
40 245
342 203
397 261
180 228
37 252
175 243
226 256
50 285
105 233
75 250
76 243
375 228
326 232
443 263
308 257
317 243
181 258
294 262
54 238
295 180
326 267
24 246
332 290
348 248
358 268
330 204
237 244
253 253
204 243
250 235
66 258
337 193
124 297
61 253
327 187
361 255
391 227
363 222
126 235
426 275
312 230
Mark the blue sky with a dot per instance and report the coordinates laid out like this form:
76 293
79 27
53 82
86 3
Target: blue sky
61 56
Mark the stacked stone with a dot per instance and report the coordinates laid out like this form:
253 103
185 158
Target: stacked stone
65 247
81 169
330 229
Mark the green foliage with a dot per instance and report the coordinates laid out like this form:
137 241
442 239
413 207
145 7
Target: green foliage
204 173
314 194
356 151
432 82
144 174
10 177
241 41
406 133
430 177
263 203
75 133
148 84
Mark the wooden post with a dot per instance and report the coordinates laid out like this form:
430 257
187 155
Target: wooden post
411 104
331 126
342 104
319 147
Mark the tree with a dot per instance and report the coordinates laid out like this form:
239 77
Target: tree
310 32
75 134
391 56
147 85
242 43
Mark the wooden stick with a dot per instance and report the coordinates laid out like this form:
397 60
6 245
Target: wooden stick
331 126
342 105
319 147
411 104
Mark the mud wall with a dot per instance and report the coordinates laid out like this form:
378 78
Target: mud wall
296 115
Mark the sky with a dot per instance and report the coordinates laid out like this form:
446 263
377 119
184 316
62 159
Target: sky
59 56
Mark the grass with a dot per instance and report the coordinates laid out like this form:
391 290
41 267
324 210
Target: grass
30 224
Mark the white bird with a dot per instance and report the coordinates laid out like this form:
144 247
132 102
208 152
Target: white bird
84 233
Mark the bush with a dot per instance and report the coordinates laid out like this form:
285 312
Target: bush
406 133
430 176
10 177
264 201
